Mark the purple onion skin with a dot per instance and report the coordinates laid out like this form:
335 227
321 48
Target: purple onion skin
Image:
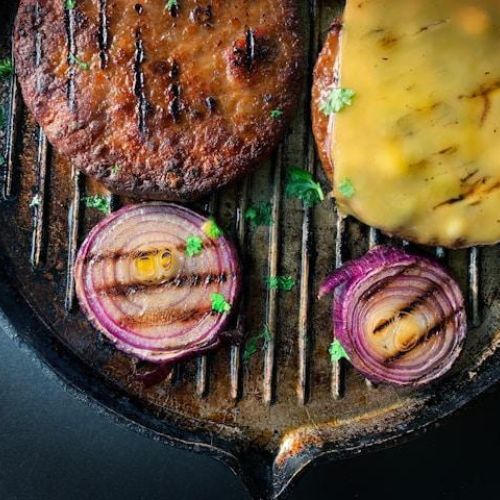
350 281
163 365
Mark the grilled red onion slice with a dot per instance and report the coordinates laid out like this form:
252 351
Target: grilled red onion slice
401 318
138 285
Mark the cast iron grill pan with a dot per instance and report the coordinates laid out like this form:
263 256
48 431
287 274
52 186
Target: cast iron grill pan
288 406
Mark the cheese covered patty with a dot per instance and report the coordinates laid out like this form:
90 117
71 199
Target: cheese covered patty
417 152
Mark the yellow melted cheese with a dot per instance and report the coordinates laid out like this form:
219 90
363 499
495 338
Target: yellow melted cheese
421 141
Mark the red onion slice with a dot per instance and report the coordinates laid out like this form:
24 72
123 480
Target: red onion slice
139 287
401 318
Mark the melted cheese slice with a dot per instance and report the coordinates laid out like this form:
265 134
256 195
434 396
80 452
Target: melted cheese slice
421 141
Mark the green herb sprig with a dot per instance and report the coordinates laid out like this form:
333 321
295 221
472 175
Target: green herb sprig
337 100
219 303
260 214
276 114
3 117
172 5
6 67
194 245
35 201
252 344
337 352
280 282
98 202
70 4
115 169
301 184
346 188
74 59
212 229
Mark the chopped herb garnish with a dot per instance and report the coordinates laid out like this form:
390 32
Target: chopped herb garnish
346 188
194 245
211 229
301 184
3 117
260 214
85 66
219 303
337 352
252 344
280 282
171 5
70 4
98 202
276 114
115 169
336 101
6 67
35 202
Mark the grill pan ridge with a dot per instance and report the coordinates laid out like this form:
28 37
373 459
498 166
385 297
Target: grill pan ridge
287 407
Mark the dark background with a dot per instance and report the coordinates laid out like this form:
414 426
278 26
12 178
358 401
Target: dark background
54 447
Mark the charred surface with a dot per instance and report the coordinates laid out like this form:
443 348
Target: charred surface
182 60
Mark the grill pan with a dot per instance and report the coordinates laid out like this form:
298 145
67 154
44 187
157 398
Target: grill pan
288 407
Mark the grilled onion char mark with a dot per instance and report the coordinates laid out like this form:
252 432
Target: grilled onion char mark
180 101
191 280
431 332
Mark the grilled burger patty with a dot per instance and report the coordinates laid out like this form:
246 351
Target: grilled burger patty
325 77
415 152
161 100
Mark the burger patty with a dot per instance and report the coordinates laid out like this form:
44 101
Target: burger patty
325 77
406 114
160 99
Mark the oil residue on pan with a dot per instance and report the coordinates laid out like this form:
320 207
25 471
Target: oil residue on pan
267 417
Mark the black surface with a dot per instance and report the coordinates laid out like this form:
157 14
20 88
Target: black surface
53 447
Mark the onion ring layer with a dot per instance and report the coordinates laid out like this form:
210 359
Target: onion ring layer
140 286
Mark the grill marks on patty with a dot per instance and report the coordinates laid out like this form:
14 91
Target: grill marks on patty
139 83
208 115
103 33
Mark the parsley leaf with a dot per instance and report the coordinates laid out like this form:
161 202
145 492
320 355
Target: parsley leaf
337 352
6 67
219 303
346 188
211 229
115 169
70 4
252 344
301 184
98 202
260 214
172 5
336 101
194 245
3 117
36 200
73 59
276 114
281 282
